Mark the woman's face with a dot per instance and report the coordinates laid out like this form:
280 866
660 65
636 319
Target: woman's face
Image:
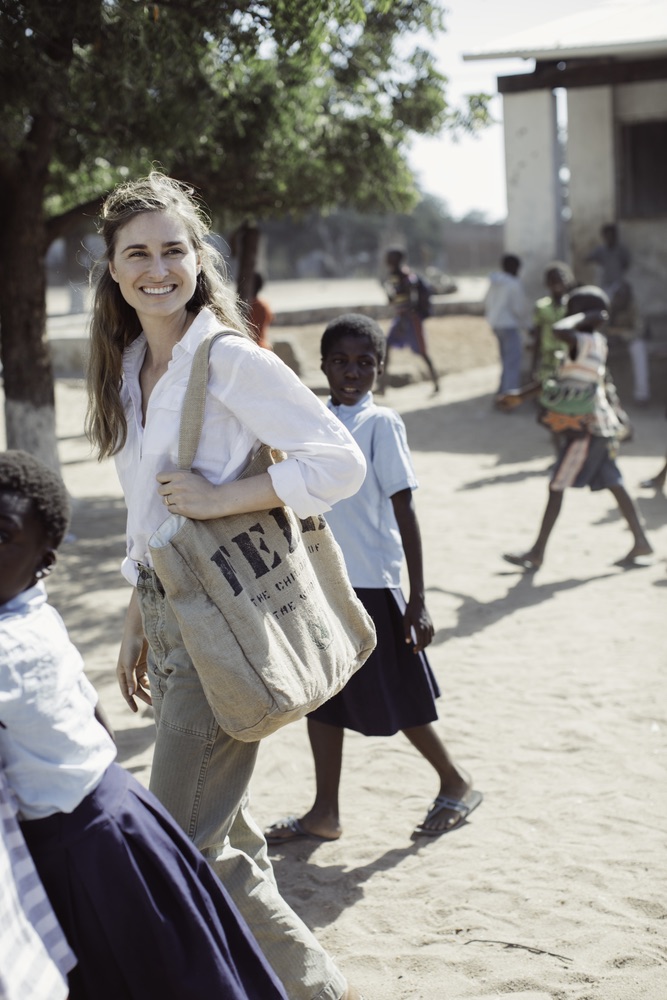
155 265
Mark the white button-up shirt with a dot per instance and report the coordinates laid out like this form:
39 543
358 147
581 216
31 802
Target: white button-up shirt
252 398
53 749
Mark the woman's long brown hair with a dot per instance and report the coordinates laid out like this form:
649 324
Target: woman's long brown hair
115 325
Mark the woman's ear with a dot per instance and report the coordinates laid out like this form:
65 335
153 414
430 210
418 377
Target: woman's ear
112 271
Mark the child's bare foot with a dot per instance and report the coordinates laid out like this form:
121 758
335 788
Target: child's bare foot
657 483
528 561
291 828
639 555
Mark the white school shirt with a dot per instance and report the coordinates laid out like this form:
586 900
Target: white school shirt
252 398
365 525
34 955
53 748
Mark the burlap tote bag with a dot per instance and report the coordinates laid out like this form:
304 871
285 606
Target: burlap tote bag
263 600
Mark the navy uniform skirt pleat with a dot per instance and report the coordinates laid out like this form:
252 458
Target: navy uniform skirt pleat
142 910
395 688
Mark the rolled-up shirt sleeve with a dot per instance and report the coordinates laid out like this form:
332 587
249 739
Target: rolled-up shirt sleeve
323 463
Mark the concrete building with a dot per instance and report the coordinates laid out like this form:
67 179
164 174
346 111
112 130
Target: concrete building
586 144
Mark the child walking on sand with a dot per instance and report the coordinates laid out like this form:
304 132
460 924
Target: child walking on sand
575 406
395 689
143 912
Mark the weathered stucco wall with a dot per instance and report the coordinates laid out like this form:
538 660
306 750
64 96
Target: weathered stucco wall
646 238
591 161
531 163
594 116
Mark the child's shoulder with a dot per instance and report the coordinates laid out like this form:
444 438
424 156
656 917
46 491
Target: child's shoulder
384 416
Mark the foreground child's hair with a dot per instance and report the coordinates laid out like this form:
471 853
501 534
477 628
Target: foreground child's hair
24 474
353 325
115 324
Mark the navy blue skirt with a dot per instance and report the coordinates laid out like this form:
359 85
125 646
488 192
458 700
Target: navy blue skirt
144 913
395 689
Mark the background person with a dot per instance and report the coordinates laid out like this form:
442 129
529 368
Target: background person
260 316
506 310
407 293
589 437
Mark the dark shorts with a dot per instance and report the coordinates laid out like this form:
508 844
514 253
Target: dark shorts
407 330
586 461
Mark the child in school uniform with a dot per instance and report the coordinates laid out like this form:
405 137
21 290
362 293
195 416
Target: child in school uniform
575 405
143 912
376 529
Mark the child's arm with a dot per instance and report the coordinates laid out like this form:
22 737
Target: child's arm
104 720
417 618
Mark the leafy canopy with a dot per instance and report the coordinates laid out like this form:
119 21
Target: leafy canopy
268 107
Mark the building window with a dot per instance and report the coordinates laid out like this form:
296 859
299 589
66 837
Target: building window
643 192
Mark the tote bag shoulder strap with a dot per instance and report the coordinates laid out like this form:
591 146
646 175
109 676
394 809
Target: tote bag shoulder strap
194 402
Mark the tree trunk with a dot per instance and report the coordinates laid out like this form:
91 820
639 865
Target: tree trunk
245 245
26 362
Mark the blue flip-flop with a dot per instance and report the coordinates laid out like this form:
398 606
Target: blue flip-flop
463 807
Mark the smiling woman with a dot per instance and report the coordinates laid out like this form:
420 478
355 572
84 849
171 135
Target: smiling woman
163 268
160 293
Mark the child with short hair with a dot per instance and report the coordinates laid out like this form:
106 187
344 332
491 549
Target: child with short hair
142 910
376 528
575 406
405 291
506 311
549 348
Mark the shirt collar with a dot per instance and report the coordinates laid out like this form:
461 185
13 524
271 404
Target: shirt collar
30 599
204 322
346 414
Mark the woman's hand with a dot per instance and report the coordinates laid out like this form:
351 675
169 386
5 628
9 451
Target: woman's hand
131 667
190 494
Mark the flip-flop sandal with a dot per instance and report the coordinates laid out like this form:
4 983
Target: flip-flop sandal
290 828
462 806
525 562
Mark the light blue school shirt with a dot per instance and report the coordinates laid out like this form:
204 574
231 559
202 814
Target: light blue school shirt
364 525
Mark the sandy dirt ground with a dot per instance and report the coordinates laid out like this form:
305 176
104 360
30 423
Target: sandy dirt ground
554 697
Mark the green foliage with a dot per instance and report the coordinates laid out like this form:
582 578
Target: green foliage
267 107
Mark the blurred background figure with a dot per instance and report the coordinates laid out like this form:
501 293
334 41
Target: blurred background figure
410 296
260 316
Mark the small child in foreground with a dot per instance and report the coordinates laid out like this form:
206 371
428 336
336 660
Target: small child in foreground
575 406
376 528
141 909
